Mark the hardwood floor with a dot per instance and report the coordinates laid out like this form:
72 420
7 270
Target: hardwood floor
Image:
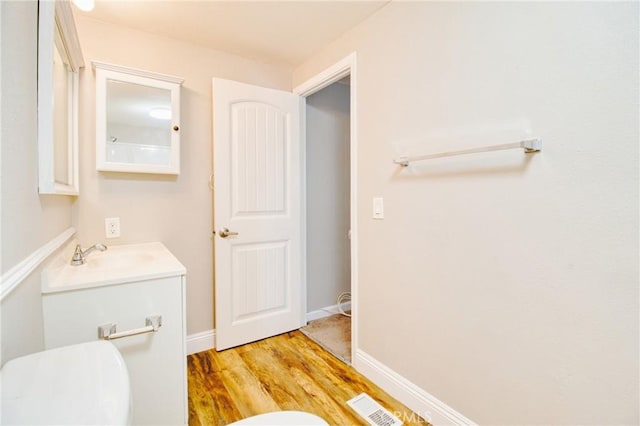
285 372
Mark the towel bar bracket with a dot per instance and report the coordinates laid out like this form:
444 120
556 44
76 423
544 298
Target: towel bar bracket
531 145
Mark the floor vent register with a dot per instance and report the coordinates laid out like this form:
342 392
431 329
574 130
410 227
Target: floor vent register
374 413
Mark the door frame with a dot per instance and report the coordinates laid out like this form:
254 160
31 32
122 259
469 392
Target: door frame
344 67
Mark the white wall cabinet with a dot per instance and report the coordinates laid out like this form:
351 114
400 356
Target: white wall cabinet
156 361
137 120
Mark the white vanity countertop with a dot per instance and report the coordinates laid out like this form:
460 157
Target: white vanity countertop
117 265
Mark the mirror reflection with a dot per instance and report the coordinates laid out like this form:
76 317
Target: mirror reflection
138 124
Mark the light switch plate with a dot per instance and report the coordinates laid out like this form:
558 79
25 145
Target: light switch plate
378 208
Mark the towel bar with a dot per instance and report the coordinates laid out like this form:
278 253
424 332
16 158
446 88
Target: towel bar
529 146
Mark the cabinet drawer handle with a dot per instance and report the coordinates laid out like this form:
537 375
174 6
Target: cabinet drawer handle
108 331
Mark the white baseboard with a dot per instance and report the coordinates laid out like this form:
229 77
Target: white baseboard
205 340
202 341
418 400
327 311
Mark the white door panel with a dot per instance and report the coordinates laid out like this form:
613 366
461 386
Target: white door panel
257 136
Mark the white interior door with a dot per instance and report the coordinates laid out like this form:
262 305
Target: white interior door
257 198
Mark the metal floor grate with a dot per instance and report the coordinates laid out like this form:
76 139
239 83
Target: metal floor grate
372 412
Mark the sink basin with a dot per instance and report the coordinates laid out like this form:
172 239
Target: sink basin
121 260
117 265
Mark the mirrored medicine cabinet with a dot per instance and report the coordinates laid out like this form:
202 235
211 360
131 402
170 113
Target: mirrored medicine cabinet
59 63
137 120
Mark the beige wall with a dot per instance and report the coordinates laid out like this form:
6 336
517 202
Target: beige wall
28 220
510 282
327 153
174 210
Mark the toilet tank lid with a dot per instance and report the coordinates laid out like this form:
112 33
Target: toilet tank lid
86 383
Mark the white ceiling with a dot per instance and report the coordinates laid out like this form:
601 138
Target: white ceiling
279 32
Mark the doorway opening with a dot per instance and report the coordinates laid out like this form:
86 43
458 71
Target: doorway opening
345 72
328 218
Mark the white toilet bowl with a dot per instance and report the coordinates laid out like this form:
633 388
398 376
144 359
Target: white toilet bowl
84 384
283 418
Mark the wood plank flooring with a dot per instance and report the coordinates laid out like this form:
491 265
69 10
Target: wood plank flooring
285 372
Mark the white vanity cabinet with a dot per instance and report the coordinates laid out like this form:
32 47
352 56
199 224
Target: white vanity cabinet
124 286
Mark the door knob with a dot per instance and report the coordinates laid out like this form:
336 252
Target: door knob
224 233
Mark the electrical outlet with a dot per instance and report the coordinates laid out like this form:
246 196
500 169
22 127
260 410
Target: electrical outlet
112 227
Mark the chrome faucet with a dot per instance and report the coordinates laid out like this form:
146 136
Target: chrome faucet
79 256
